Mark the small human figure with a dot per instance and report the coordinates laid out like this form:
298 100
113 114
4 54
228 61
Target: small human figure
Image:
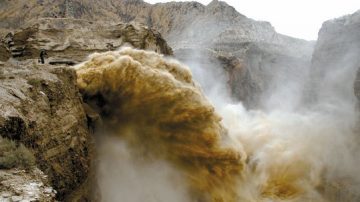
42 56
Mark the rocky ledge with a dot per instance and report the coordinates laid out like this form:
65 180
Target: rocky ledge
41 107
68 41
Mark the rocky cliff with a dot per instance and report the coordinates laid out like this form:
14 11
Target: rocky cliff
335 74
188 27
41 106
71 40
195 28
337 50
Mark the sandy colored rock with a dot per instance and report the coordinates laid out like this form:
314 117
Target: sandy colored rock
40 107
20 185
40 104
69 41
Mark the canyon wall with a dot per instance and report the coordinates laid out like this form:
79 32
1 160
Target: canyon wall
41 106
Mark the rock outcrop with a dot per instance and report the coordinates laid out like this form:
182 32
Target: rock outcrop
69 41
336 56
218 27
335 73
40 104
42 108
191 26
20 185
241 83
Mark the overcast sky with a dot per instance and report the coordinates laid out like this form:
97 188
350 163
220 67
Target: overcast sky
301 19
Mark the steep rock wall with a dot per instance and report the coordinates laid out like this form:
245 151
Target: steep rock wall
42 108
40 103
338 48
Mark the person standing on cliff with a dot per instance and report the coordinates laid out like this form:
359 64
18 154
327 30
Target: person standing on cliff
42 56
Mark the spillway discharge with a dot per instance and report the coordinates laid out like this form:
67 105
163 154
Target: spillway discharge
153 104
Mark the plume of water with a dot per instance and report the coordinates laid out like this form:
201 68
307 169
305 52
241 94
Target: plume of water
152 103
164 121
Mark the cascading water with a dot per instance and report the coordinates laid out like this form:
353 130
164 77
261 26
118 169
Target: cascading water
161 132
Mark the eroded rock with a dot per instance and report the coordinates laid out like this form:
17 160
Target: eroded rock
40 104
41 107
69 41
21 185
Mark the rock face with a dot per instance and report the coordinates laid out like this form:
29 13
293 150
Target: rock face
41 106
230 68
336 56
70 40
335 72
264 53
18 185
